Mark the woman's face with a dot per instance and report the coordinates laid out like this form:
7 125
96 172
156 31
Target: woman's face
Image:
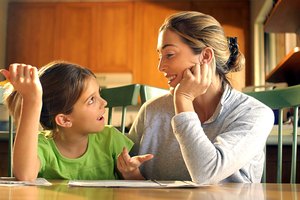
174 56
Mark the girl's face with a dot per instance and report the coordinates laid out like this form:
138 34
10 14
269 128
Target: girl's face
174 56
88 112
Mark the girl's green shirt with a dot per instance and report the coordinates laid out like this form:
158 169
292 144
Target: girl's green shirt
97 163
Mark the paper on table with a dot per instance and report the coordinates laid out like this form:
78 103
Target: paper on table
133 183
11 181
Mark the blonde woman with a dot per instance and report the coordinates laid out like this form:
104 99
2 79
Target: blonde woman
204 130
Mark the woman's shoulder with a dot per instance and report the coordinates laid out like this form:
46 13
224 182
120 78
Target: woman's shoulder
161 102
242 101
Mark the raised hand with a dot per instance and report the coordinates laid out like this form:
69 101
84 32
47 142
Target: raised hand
129 166
25 80
195 82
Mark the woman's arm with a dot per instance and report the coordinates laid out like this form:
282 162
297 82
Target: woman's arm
25 81
235 146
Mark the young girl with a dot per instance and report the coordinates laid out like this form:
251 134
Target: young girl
76 144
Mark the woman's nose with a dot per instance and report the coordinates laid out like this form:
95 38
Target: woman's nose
161 67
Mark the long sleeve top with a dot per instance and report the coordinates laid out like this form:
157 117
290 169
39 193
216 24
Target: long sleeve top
229 147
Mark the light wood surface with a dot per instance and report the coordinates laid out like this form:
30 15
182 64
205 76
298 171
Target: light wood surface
60 190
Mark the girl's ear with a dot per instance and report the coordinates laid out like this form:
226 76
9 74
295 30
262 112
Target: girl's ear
63 121
206 55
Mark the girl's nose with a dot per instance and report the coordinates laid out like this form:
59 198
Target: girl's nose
103 103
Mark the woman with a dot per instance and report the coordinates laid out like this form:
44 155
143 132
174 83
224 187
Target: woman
205 130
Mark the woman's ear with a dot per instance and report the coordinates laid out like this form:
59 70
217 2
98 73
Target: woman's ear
63 121
206 55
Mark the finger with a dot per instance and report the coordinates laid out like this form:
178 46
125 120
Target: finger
204 71
209 74
34 73
145 157
125 158
120 162
196 71
126 155
27 72
20 71
5 73
13 72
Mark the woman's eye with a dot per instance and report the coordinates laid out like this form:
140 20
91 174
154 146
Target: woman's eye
169 55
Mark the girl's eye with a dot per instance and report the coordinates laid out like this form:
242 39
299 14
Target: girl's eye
91 100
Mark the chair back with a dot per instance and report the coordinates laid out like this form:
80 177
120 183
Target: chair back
123 97
149 92
280 99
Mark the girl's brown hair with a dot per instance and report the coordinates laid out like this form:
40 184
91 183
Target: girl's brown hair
62 84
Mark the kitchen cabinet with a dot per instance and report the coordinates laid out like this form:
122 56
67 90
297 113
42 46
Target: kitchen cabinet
110 37
96 35
75 33
30 34
147 26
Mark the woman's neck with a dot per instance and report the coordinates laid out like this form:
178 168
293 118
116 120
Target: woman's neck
206 104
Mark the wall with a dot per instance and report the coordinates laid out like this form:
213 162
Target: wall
3 19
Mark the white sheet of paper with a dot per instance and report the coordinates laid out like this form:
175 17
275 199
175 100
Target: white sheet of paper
11 181
132 183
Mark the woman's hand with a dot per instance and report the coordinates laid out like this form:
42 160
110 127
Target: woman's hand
195 81
25 80
129 166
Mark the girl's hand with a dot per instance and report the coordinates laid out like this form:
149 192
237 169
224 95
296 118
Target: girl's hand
195 82
25 80
129 166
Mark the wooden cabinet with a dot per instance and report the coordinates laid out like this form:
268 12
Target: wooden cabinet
30 33
96 35
110 36
149 17
75 33
114 37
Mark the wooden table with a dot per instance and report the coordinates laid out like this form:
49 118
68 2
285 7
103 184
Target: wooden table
60 191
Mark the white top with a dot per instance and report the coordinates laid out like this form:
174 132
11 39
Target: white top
226 148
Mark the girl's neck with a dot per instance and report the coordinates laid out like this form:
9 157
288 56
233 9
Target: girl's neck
71 145
205 105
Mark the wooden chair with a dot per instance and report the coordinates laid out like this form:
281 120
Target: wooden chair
149 92
280 99
123 97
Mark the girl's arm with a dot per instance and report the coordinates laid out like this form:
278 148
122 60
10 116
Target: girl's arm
25 81
129 166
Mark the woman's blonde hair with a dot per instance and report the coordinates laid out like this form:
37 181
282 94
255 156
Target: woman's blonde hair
198 31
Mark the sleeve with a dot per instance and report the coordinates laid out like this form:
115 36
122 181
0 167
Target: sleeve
211 162
119 141
136 131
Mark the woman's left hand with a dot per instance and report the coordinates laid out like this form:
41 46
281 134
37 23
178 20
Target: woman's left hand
195 81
